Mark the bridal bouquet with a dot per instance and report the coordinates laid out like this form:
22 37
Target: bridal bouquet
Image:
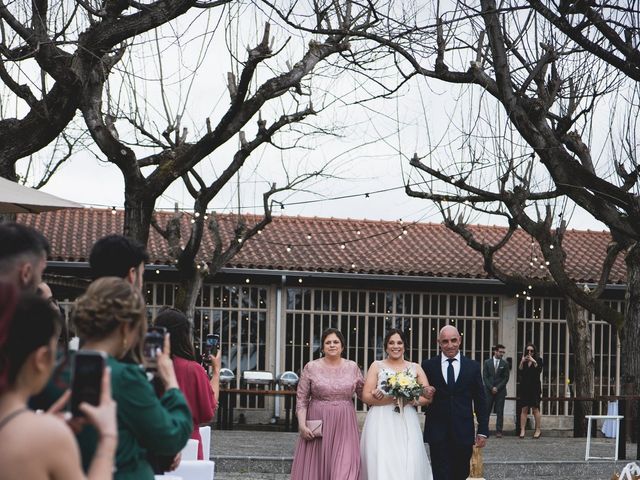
403 386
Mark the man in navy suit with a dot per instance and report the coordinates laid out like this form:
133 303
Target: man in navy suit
449 428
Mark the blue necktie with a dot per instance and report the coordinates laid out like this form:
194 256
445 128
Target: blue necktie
451 377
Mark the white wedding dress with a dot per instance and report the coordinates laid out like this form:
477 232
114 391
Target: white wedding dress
391 443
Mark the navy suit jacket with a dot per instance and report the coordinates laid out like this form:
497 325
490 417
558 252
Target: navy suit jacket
450 415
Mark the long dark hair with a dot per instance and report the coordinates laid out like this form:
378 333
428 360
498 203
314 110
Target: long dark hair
179 327
535 350
27 322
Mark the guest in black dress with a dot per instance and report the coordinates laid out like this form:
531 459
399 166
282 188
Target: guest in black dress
530 368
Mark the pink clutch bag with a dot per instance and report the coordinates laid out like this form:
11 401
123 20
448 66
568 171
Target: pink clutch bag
315 426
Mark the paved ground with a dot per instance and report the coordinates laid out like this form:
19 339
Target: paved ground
235 450
282 445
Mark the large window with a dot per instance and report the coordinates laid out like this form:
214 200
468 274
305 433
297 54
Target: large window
238 313
543 322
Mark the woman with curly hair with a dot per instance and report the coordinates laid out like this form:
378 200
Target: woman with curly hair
111 318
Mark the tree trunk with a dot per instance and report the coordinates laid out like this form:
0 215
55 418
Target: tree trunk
138 209
189 285
583 375
630 338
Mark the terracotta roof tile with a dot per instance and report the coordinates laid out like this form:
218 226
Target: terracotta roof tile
377 247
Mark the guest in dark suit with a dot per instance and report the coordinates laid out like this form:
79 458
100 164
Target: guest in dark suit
495 374
449 425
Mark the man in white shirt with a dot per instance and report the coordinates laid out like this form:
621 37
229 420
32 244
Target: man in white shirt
449 426
495 375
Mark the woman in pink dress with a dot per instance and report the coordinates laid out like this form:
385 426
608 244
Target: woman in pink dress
200 391
325 392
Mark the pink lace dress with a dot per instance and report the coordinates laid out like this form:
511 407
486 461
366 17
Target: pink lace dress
327 394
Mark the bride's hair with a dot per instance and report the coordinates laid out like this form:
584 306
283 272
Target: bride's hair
391 333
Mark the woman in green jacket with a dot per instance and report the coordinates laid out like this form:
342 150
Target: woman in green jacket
111 317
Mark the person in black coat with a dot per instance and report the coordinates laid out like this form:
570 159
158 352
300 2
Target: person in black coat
449 427
530 368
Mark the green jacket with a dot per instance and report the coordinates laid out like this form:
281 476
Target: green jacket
145 423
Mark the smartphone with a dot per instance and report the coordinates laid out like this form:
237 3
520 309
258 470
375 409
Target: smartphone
86 381
153 344
210 347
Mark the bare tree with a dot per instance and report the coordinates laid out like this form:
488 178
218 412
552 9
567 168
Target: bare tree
128 76
50 53
545 80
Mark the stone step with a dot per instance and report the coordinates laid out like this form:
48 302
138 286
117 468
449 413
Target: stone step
251 476
273 468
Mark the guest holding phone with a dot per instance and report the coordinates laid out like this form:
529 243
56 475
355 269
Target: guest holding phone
200 391
328 447
43 446
530 368
111 318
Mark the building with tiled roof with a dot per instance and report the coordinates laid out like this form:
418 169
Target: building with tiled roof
301 275
346 246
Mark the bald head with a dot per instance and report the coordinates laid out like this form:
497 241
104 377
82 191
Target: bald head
449 341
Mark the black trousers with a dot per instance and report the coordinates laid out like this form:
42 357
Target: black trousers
497 400
450 461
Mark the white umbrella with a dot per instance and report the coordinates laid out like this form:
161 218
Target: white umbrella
16 198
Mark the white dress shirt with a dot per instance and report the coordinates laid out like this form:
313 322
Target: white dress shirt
444 365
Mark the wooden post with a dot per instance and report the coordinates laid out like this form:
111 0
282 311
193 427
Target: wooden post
477 465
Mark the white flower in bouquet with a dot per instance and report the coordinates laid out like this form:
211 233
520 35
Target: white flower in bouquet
403 386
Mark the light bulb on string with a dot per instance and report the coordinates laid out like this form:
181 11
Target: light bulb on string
288 248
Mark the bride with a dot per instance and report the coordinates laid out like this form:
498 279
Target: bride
391 444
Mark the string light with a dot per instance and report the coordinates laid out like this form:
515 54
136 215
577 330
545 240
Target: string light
113 210
288 248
